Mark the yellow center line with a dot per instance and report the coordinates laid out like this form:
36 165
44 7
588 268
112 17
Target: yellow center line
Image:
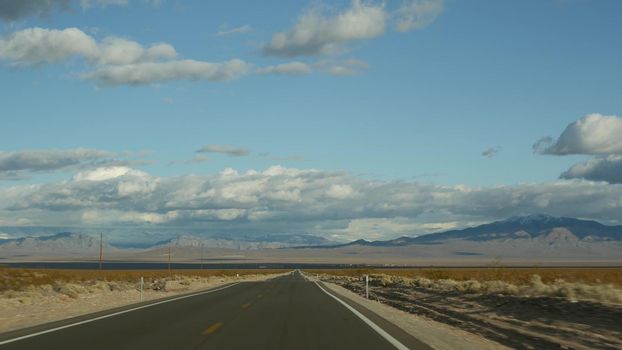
244 306
213 328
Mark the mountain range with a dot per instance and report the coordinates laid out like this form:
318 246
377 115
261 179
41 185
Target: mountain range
538 226
265 242
524 238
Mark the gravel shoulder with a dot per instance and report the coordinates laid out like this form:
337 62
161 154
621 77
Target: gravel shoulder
450 319
435 334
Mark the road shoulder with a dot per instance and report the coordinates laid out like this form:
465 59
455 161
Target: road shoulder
435 334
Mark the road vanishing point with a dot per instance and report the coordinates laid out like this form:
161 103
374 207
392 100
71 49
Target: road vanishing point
287 312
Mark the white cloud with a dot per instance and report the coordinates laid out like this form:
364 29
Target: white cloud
593 134
340 191
107 173
381 228
116 61
606 168
418 14
291 200
145 73
38 45
315 34
225 30
224 149
34 46
121 51
290 68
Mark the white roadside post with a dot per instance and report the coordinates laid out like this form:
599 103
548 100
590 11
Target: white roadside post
367 286
142 283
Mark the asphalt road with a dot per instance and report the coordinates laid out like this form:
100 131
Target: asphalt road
283 313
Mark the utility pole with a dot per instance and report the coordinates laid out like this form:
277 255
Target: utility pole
169 260
101 249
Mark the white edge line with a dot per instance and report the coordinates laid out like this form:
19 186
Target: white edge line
113 314
369 322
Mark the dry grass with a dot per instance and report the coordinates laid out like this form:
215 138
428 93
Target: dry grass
20 279
516 276
594 284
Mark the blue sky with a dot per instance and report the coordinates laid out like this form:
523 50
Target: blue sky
386 98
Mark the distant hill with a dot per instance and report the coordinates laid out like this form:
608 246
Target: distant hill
68 244
543 228
525 240
60 244
261 242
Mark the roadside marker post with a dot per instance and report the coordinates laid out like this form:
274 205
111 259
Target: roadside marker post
142 284
367 286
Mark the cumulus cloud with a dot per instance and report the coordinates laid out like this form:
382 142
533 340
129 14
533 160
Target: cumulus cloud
224 149
107 173
314 33
118 51
340 191
34 46
116 61
593 134
290 200
158 72
381 228
38 45
290 68
418 14
606 168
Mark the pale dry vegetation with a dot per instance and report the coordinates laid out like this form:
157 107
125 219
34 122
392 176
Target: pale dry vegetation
29 297
597 284
20 279
537 308
26 284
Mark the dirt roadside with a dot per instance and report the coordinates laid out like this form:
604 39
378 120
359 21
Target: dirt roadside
503 320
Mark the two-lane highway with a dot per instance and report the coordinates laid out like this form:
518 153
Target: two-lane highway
288 312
